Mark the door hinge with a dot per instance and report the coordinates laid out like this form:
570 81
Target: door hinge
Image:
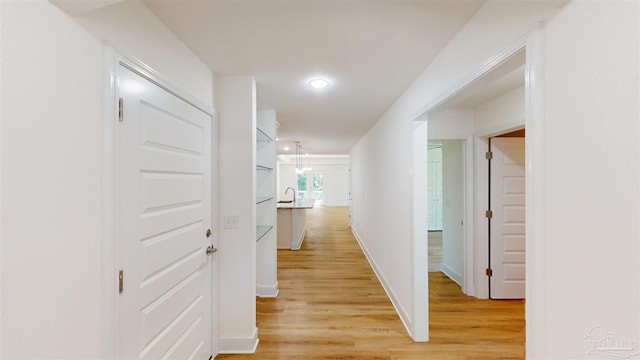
488 214
120 112
489 155
120 281
489 272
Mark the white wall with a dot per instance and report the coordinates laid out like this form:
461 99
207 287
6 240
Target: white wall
496 113
132 27
592 175
589 175
1 181
507 109
453 209
236 103
336 179
451 124
51 168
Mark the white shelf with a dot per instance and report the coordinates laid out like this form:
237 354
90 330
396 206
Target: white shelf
262 199
263 168
261 136
262 230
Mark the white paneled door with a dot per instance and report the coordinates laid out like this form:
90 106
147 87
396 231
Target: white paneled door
508 221
434 189
163 214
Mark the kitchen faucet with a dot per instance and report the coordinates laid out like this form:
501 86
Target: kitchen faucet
294 193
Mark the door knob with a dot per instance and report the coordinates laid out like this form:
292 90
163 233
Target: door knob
211 250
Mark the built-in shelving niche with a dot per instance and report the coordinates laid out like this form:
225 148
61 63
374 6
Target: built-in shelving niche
262 230
266 208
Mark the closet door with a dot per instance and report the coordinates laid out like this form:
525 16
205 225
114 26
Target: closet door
434 190
163 218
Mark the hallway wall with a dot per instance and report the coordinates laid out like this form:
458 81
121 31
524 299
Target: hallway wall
592 177
52 124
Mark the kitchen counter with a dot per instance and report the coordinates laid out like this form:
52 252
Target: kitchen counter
292 223
298 204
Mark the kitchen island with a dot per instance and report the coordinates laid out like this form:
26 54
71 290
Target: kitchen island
292 223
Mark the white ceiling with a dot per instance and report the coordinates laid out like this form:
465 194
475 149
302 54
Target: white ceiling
370 51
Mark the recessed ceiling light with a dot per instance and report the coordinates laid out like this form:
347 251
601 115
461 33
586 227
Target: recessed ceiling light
286 148
319 83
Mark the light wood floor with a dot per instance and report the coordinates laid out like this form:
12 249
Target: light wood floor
331 306
435 250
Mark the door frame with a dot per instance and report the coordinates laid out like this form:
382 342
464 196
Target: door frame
536 311
112 59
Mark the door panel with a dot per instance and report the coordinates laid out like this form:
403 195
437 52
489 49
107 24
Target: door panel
434 195
508 222
434 187
164 211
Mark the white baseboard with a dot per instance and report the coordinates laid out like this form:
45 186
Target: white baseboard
239 345
267 291
457 278
404 317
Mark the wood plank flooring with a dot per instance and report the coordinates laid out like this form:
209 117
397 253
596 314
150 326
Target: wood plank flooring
331 306
435 250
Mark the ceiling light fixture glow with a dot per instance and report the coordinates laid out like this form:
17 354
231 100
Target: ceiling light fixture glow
319 83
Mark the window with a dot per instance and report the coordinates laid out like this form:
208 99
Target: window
318 190
302 185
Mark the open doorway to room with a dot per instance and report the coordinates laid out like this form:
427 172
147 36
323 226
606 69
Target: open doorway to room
446 199
497 98
490 106
434 203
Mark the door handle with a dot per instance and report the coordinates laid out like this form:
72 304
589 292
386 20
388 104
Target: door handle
211 250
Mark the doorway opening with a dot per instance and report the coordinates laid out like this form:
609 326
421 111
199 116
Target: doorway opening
446 199
445 118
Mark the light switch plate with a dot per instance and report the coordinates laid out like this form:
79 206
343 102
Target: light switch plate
231 221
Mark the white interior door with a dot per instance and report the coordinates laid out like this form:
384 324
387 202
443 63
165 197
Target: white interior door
435 195
163 213
508 222
434 189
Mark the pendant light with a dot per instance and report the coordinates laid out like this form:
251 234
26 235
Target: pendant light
300 168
